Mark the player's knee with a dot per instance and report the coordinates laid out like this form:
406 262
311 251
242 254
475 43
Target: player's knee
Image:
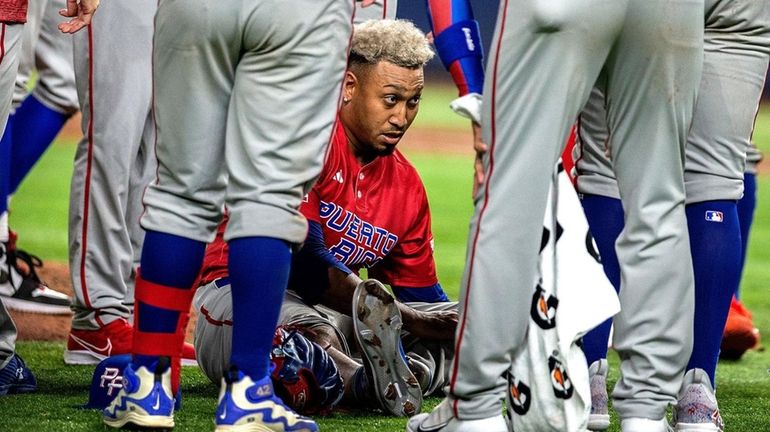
324 336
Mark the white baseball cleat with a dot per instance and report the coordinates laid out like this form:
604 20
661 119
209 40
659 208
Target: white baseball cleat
441 419
638 424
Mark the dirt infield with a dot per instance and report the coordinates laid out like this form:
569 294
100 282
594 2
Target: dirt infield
33 326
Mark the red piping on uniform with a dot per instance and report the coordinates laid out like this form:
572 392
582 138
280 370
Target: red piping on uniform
2 44
456 361
582 145
384 9
214 321
89 160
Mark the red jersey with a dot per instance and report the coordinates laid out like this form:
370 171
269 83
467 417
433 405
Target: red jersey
13 11
373 216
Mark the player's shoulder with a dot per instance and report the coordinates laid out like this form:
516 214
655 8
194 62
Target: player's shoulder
405 167
405 174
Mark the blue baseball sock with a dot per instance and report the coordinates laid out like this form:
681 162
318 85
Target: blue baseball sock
605 219
746 206
716 252
259 272
172 261
34 128
5 168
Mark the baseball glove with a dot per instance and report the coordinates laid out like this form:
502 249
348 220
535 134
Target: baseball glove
303 374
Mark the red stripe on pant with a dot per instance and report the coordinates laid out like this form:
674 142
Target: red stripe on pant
458 343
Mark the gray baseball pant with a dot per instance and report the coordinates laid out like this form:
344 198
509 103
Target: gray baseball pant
114 161
545 58
9 64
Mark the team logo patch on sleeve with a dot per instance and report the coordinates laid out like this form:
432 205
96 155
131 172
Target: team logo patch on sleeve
715 216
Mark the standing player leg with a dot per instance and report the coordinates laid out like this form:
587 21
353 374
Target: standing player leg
270 79
649 119
534 45
23 290
14 374
43 113
111 163
729 96
271 177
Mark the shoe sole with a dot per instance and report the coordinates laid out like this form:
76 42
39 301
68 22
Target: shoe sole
377 326
696 427
598 422
20 305
253 427
141 420
85 357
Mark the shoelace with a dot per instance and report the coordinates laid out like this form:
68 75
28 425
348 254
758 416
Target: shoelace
30 260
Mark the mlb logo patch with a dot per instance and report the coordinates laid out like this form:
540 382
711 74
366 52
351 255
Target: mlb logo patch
715 216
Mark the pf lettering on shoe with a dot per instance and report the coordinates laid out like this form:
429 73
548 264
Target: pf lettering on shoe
107 381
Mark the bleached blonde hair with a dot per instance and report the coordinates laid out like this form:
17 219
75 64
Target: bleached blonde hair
395 41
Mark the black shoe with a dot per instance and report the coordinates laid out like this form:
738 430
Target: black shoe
21 289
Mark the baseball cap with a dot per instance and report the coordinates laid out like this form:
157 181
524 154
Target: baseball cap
108 380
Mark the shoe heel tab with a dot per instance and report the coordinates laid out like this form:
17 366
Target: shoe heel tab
163 364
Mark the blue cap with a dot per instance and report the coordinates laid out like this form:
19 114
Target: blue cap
108 380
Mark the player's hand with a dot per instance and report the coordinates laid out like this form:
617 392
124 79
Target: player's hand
365 3
478 166
81 12
435 325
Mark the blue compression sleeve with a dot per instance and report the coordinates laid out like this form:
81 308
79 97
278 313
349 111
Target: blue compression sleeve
309 268
430 294
458 42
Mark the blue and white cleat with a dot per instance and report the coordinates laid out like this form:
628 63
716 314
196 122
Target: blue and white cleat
15 377
245 405
145 399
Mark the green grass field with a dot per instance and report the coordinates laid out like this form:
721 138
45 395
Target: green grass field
40 215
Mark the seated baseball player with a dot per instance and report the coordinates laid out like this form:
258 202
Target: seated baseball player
368 209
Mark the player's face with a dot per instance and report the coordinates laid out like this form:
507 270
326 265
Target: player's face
382 106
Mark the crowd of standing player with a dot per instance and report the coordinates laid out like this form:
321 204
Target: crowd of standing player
665 102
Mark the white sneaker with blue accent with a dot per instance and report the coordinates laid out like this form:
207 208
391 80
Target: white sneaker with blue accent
441 419
248 406
145 399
